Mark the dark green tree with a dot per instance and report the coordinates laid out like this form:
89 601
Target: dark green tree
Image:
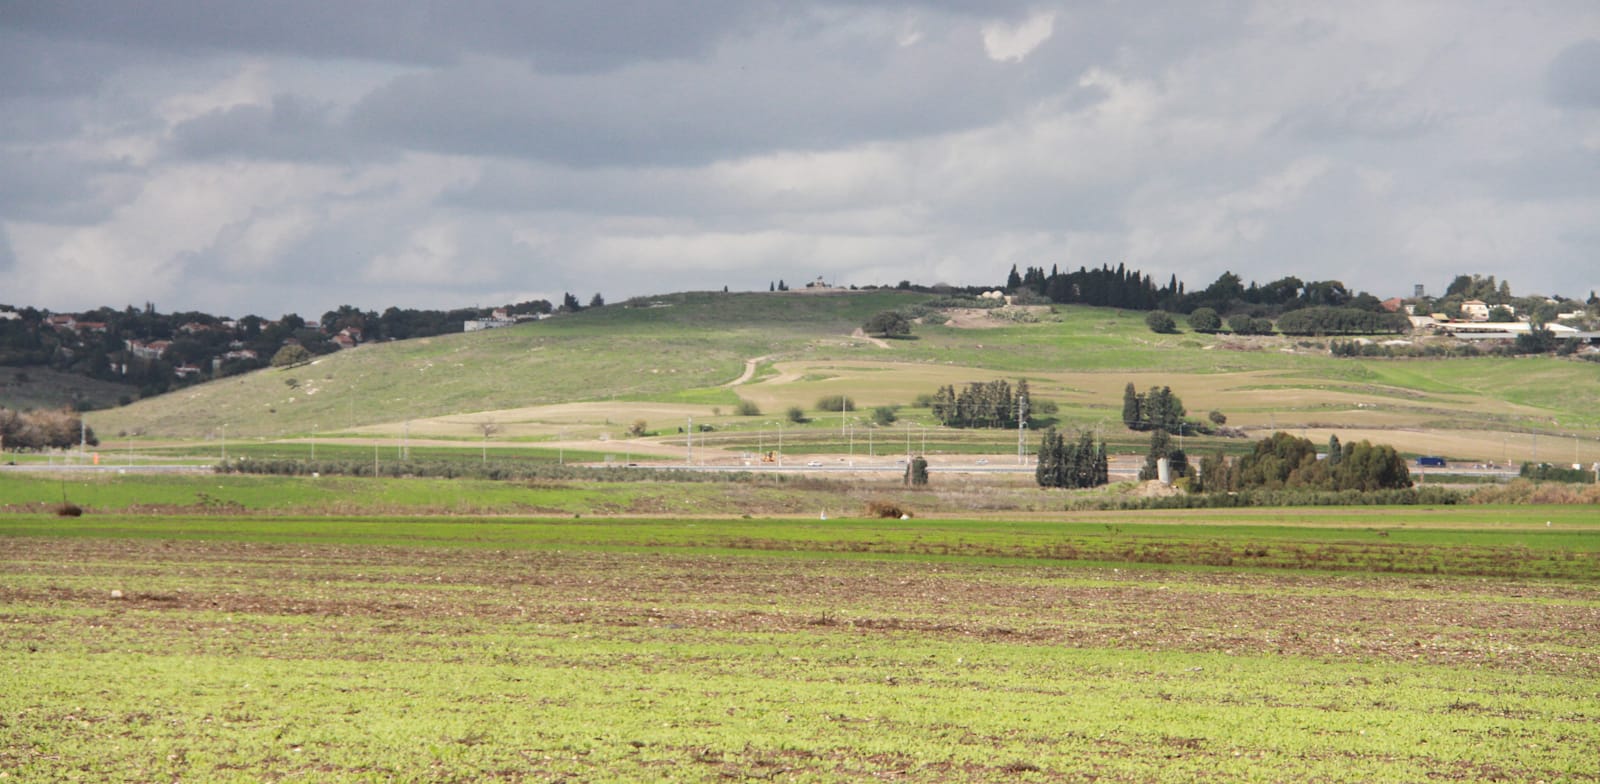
1048 470
290 355
1368 466
1131 409
1213 476
1160 446
1079 464
1205 320
917 472
1160 321
888 324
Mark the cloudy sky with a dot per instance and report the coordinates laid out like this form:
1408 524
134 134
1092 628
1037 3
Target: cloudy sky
243 156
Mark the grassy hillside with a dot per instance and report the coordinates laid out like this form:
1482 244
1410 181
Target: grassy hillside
586 376
24 388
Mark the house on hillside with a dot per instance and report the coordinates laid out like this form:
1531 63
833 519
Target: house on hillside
186 372
153 349
1475 310
476 325
62 321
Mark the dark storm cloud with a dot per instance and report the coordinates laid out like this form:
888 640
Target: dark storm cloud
290 128
8 257
554 34
752 99
61 189
1574 75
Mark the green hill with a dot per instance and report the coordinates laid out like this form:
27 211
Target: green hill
662 359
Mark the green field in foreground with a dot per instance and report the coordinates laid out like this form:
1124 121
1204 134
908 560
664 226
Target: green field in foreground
419 649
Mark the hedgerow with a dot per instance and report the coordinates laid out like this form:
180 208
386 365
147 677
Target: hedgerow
492 471
1430 496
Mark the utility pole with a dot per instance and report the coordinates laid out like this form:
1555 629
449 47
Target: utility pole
1022 425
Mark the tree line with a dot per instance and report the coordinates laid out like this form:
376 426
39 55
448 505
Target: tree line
995 404
1157 409
1079 463
1286 461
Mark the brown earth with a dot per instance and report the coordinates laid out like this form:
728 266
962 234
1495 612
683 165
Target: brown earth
194 587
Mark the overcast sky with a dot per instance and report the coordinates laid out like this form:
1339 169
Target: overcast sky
241 156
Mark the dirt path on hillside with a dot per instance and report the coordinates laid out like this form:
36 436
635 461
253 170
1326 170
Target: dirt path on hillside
749 371
861 334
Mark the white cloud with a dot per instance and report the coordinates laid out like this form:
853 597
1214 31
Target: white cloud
1005 42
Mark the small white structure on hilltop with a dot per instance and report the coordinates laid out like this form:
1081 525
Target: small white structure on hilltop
499 318
1491 330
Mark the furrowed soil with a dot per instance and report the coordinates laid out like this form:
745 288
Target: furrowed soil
273 662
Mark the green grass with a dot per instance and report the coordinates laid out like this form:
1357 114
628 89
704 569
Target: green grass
681 349
333 650
1474 541
25 388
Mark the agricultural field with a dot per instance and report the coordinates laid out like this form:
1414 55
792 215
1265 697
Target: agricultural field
1263 645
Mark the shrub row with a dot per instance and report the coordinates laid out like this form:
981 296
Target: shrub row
1253 498
492 471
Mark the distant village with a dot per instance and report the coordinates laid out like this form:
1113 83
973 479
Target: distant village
154 352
